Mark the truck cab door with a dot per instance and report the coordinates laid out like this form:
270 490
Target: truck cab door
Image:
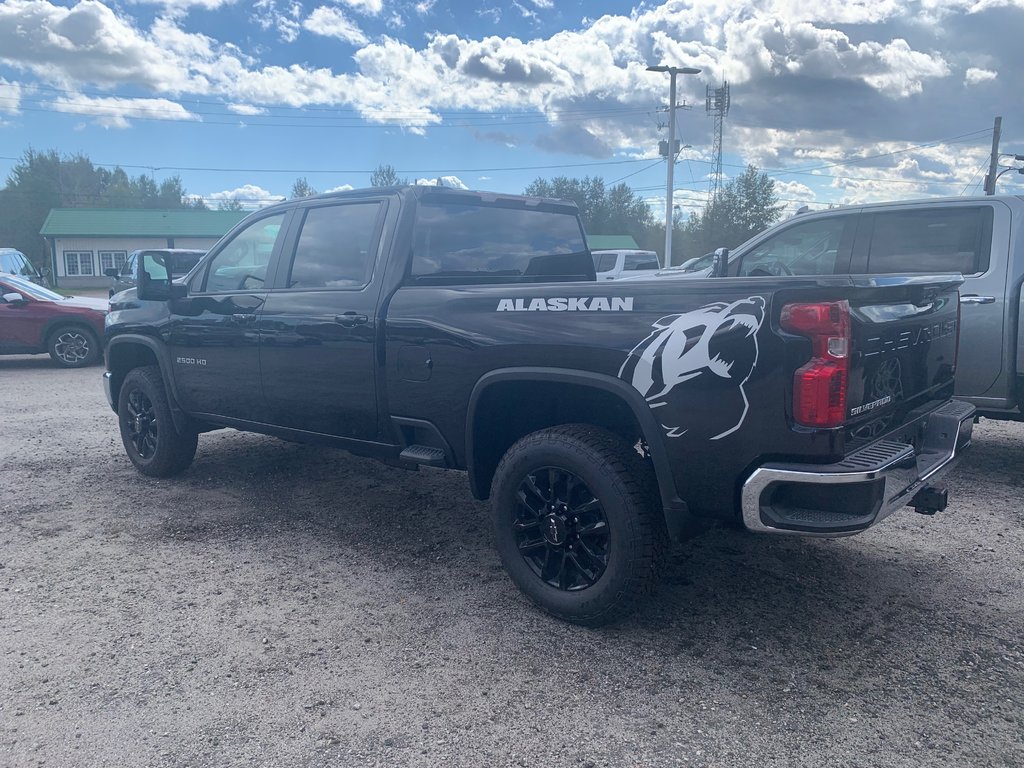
212 335
318 325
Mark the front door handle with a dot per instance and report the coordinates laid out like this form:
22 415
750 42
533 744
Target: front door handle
973 298
351 319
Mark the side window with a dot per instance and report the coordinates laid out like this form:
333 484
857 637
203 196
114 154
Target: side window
462 243
605 262
807 248
335 247
935 240
241 265
640 261
129 266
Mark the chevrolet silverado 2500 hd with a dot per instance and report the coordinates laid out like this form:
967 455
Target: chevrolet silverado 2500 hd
466 330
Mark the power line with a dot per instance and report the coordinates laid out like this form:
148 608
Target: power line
352 170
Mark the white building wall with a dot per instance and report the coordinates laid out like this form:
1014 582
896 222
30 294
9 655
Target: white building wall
93 245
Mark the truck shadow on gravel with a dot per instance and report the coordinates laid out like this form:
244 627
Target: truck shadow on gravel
772 626
753 607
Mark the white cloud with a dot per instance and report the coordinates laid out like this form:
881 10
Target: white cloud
114 112
10 96
179 7
444 181
251 196
807 89
975 75
268 15
342 188
367 7
246 109
333 23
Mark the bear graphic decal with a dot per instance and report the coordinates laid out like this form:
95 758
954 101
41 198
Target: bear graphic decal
695 365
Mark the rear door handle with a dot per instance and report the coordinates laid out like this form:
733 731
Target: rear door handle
351 319
973 298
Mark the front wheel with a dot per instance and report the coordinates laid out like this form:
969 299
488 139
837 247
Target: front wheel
575 525
152 442
73 346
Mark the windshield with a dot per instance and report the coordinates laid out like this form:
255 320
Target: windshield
33 290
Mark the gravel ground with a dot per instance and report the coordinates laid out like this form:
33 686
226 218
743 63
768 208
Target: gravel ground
282 605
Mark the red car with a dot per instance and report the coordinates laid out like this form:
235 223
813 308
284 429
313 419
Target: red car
34 319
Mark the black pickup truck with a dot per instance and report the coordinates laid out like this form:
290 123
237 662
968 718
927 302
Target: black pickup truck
466 330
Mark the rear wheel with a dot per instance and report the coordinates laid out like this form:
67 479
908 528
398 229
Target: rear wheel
575 524
148 433
73 346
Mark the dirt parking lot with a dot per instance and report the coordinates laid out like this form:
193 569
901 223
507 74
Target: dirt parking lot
281 605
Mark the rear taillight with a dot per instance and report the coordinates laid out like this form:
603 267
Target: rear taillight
819 387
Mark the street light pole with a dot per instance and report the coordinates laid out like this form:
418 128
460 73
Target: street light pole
672 72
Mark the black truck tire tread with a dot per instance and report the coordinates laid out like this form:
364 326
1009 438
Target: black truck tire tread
634 483
175 450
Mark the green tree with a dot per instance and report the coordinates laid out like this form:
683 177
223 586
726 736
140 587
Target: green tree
302 188
744 206
615 211
41 181
231 204
386 176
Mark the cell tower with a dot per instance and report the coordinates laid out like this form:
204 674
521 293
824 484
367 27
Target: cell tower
717 106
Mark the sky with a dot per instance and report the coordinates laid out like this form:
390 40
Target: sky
839 101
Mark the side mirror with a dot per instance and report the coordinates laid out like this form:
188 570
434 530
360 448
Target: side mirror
720 264
13 298
111 272
154 277
45 272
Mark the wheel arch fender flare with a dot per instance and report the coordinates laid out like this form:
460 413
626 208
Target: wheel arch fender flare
675 509
55 323
163 359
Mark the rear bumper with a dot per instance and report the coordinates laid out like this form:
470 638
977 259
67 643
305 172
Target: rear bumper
850 496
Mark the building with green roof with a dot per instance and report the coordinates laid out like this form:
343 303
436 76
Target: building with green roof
612 243
85 241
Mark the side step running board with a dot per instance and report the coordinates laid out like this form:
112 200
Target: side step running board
424 454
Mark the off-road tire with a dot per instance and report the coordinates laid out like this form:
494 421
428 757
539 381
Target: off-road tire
73 346
148 433
623 484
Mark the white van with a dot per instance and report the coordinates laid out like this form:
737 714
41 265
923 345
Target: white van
616 264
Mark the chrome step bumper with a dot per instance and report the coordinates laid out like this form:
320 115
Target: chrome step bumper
867 486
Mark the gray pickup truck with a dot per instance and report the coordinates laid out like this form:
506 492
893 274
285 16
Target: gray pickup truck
976 236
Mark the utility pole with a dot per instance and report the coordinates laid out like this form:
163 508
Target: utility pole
669 222
993 163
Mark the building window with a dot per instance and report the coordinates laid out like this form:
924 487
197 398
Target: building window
112 260
78 263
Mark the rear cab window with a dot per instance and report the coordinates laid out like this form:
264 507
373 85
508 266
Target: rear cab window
469 242
637 262
935 240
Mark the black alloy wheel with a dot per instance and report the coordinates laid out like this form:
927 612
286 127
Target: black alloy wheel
577 522
561 529
151 439
143 429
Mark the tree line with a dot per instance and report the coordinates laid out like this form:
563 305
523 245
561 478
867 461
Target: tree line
40 181
743 207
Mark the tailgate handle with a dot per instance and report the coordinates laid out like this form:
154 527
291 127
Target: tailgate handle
351 319
973 298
